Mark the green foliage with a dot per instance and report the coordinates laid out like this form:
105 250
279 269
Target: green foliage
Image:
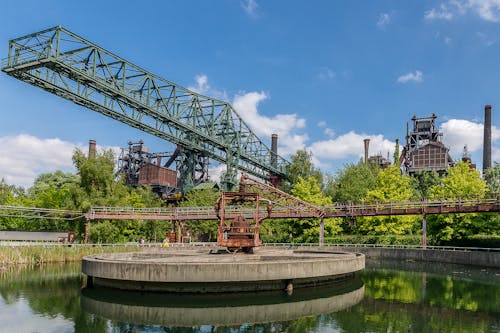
279 230
492 177
96 173
301 166
307 230
352 183
423 181
375 239
396 155
9 193
308 189
480 240
105 232
94 186
460 182
391 186
201 230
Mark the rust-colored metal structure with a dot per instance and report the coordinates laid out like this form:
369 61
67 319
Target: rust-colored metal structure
240 231
156 175
424 150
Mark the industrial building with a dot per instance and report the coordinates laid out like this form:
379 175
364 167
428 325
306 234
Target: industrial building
424 150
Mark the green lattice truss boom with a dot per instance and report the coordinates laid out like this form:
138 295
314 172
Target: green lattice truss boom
71 67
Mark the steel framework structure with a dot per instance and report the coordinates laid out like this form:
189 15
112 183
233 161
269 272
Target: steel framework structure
348 210
73 68
278 211
39 213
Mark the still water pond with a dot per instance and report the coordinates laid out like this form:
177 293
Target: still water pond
386 297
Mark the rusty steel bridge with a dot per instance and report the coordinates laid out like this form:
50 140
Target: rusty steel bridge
210 213
285 209
339 210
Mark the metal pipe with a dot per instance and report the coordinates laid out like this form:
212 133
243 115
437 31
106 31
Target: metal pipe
487 138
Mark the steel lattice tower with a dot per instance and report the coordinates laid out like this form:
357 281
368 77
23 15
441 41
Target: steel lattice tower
71 67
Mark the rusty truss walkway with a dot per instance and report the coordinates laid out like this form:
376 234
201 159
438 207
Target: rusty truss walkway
209 213
39 213
289 207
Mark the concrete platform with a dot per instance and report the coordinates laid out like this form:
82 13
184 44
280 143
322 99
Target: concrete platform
188 310
176 270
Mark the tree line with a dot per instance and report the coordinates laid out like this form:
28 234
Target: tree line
96 184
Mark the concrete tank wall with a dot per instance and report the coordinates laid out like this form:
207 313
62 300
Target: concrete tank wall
464 257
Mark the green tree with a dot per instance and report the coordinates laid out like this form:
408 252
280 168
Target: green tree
352 183
96 173
492 177
307 230
301 166
390 187
9 193
423 181
201 230
461 182
99 187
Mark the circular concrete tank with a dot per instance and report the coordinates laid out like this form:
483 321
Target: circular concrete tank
200 271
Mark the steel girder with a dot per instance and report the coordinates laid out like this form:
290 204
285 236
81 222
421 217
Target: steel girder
71 67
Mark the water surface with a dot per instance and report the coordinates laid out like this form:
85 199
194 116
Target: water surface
385 297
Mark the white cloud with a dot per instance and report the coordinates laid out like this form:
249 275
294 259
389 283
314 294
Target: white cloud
285 125
495 154
350 145
326 73
202 87
411 77
383 20
441 13
38 156
250 7
322 124
329 132
215 172
488 10
460 132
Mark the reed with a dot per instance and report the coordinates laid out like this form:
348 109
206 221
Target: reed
40 254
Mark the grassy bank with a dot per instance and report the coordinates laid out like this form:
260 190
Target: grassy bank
39 254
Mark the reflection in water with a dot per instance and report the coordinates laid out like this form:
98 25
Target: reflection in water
220 310
398 297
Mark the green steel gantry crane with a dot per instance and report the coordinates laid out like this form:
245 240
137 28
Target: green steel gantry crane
71 67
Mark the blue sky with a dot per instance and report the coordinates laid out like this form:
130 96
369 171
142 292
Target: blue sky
324 75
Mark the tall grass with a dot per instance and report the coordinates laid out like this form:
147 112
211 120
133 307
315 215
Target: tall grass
40 254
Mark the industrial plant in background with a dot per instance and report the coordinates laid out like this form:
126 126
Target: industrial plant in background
378 159
424 150
140 167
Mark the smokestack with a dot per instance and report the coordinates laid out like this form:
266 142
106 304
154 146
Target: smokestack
92 149
487 138
367 144
274 150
